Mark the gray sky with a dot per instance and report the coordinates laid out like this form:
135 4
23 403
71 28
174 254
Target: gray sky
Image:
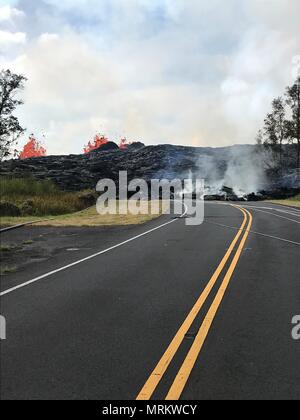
191 72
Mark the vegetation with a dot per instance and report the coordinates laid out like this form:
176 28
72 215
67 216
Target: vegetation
6 248
89 217
39 198
295 201
10 128
7 270
282 125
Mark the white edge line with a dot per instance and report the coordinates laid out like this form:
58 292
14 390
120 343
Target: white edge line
293 212
274 237
253 232
27 283
277 215
287 207
268 212
288 212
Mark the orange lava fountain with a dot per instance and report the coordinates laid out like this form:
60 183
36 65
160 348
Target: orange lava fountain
124 144
98 142
32 149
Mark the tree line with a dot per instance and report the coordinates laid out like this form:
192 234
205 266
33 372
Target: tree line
282 124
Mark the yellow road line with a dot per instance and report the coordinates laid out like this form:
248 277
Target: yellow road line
158 372
188 364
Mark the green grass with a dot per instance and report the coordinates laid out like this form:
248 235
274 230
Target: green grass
295 201
27 187
39 198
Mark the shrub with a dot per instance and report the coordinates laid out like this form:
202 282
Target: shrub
9 209
27 208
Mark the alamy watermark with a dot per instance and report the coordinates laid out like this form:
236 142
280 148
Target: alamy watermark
2 328
179 197
296 328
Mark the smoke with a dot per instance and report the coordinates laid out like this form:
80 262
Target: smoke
247 169
291 179
240 168
245 173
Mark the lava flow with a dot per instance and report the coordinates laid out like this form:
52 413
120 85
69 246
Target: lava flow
124 144
98 142
32 149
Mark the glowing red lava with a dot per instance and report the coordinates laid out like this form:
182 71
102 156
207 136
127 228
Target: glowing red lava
98 141
124 144
32 149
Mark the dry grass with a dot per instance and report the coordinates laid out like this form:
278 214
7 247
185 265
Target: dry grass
295 202
91 218
54 204
13 221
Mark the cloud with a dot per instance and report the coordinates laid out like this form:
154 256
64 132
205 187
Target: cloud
68 86
7 39
9 14
160 71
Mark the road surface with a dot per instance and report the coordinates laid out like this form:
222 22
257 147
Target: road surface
178 313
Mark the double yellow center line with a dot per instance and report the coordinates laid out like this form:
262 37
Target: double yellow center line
186 368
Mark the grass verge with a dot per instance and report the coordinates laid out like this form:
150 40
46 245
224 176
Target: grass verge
295 201
90 217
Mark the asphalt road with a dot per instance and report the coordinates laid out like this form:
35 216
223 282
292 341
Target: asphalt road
183 312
